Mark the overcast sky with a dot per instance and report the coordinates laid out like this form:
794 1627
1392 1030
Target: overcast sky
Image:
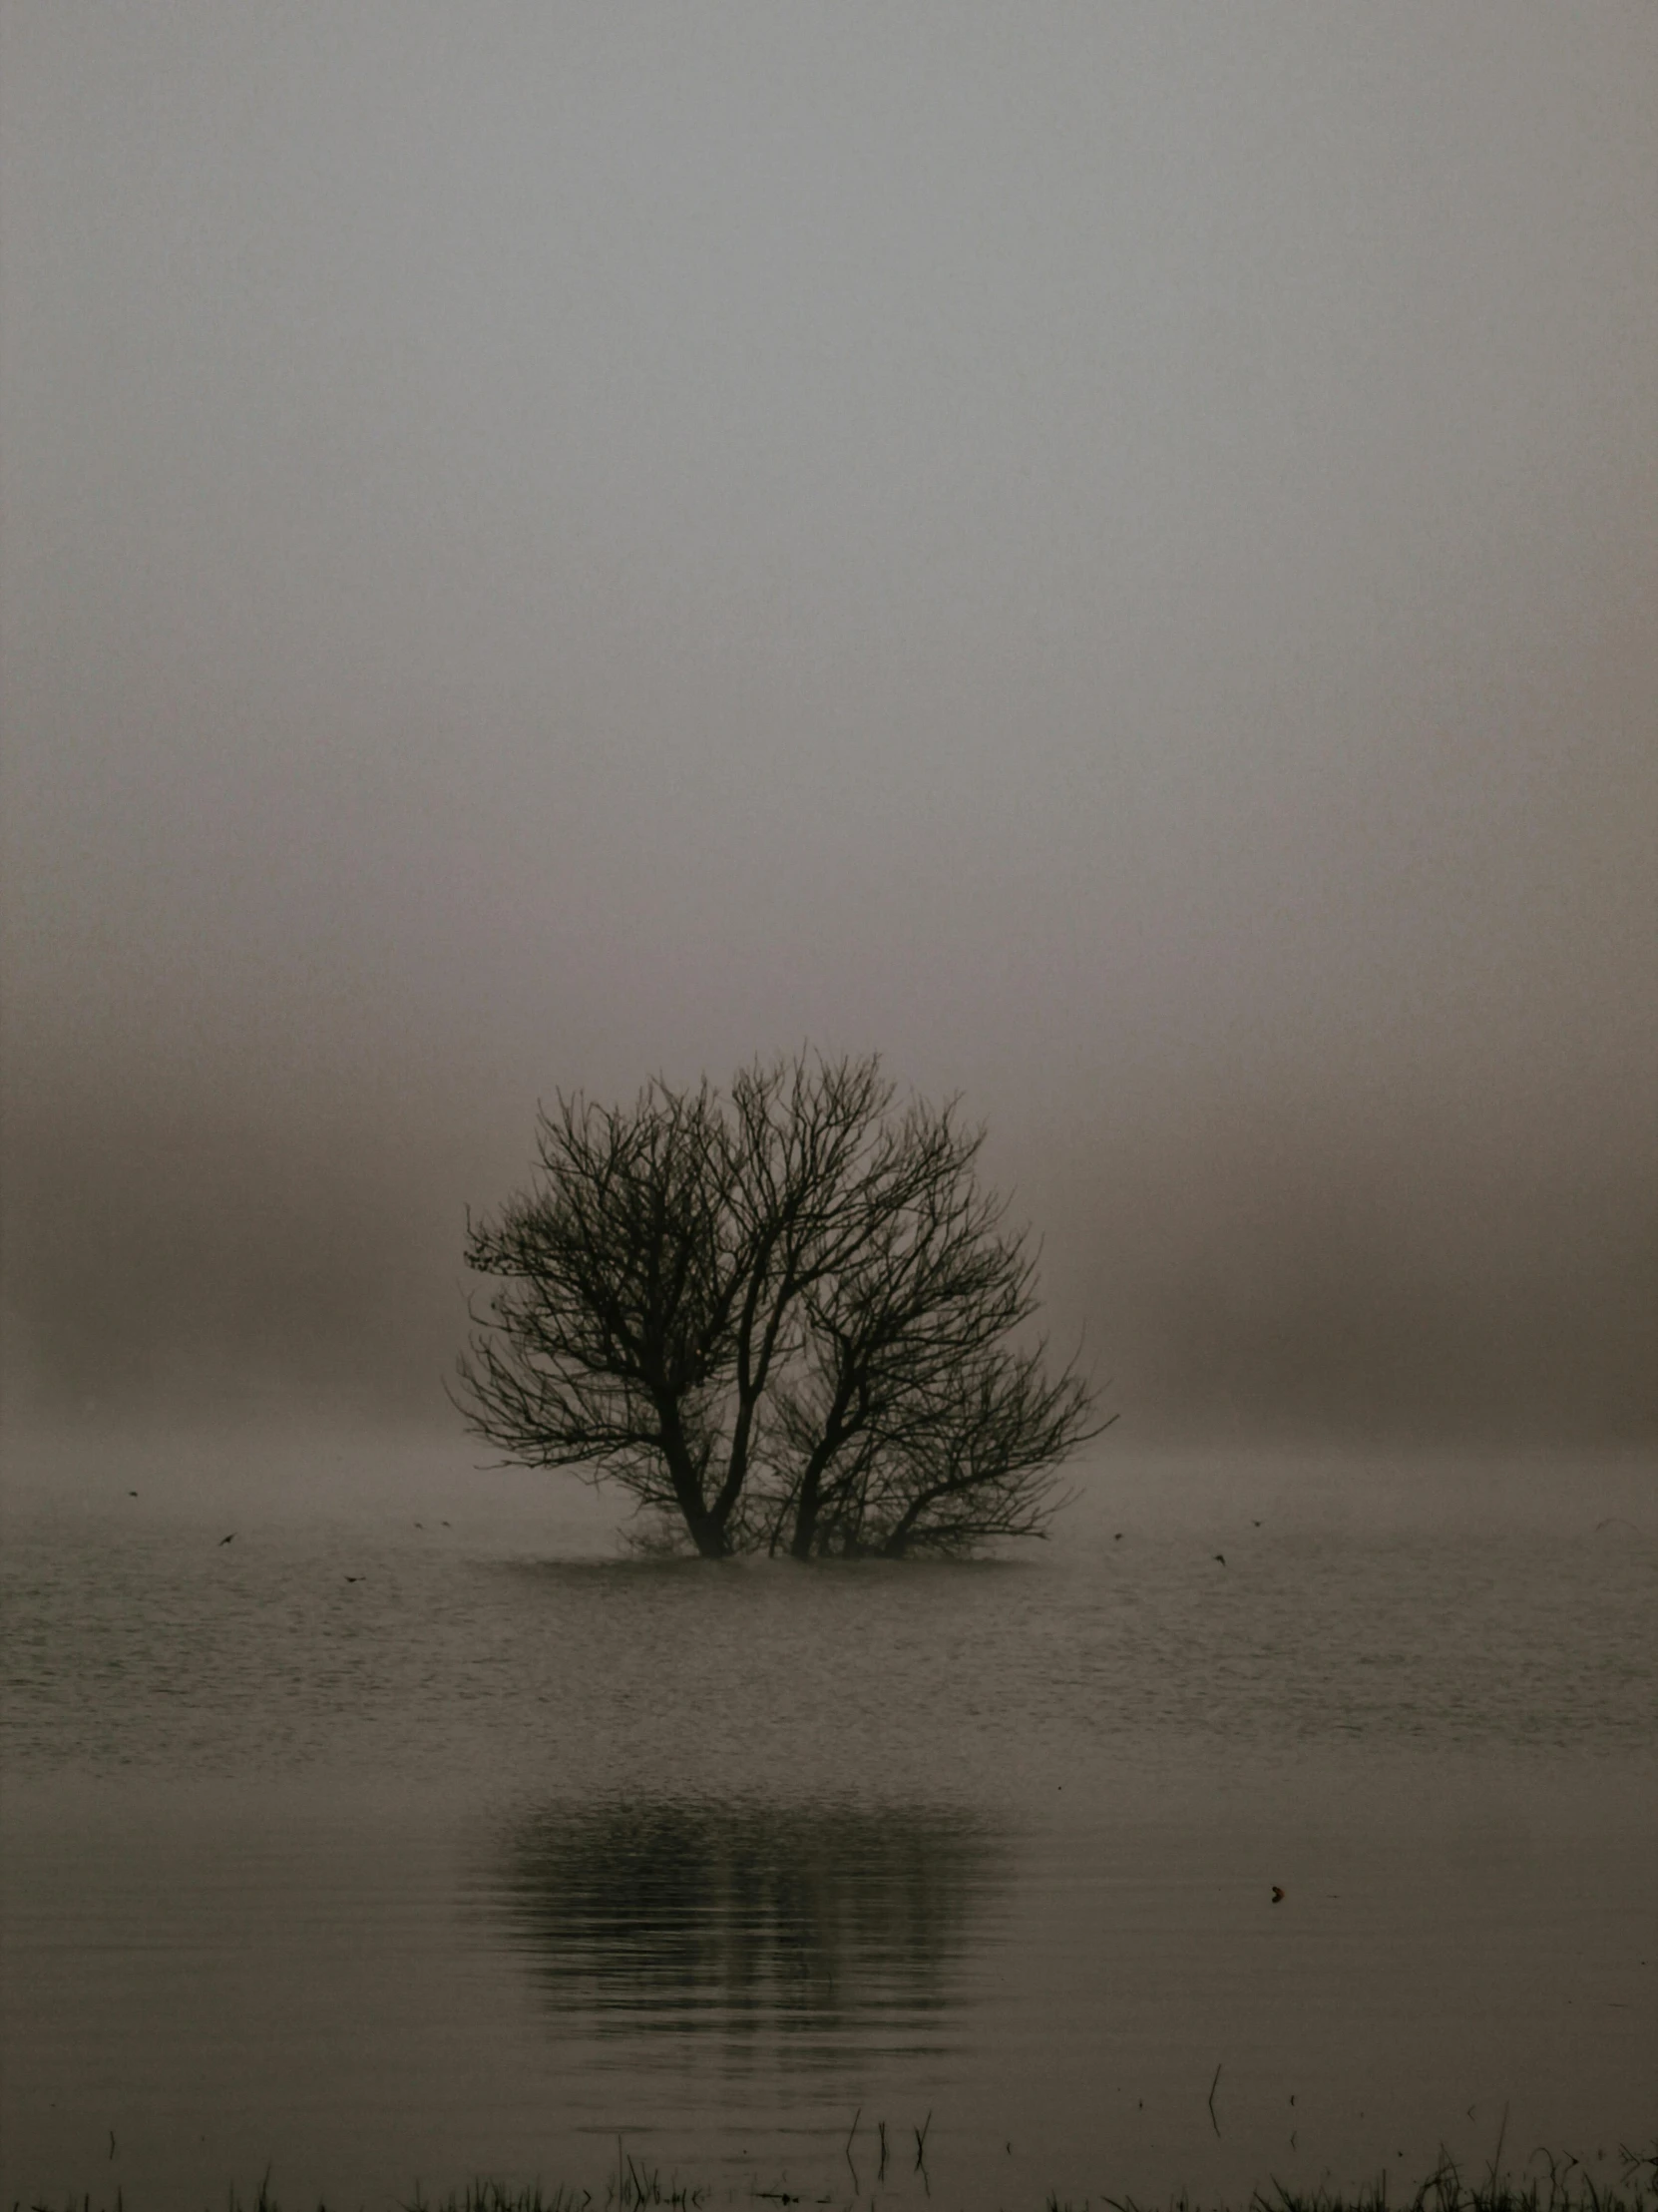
1110 552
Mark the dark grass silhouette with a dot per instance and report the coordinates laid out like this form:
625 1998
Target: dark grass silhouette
1554 2184
1551 2185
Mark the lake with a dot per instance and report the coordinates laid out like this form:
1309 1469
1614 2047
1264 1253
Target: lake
419 1832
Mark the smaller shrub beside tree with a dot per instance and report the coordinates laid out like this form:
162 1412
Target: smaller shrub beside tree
789 1320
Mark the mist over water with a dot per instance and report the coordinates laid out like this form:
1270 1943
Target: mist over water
1110 559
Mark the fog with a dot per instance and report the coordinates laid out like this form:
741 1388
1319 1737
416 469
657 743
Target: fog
1109 554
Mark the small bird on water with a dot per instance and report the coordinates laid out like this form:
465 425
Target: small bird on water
1221 1555
230 1539
1278 1898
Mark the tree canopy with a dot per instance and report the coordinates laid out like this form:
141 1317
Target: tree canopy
788 1320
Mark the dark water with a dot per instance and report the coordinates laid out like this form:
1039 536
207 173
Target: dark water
414 1834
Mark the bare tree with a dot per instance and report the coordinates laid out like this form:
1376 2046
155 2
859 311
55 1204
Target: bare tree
607 1349
782 1319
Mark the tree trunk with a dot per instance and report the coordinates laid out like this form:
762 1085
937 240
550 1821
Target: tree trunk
707 1528
810 1503
842 1422
710 1536
805 1519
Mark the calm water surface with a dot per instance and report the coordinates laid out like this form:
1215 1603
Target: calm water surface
417 1833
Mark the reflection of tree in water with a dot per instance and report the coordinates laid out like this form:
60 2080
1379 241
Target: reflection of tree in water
731 1919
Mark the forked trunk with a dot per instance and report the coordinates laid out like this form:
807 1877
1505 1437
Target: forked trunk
710 1536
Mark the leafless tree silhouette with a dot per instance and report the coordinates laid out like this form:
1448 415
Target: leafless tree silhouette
784 1319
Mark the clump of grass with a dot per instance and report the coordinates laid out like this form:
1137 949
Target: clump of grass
490 2196
1564 2185
1555 2185
638 2189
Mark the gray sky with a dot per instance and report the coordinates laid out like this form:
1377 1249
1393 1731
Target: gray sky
1109 552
